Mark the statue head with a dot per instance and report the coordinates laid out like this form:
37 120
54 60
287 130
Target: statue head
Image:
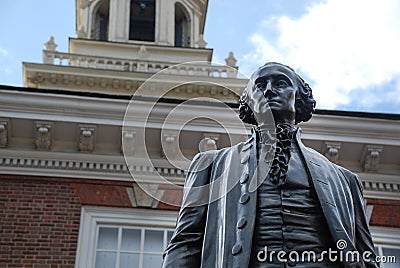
289 98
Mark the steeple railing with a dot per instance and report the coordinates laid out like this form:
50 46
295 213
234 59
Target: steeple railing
137 65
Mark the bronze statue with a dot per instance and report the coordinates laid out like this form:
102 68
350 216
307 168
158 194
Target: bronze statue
271 201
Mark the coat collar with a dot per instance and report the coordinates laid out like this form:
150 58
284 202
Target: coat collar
316 164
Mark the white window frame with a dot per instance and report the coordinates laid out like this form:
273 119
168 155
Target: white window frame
385 237
92 217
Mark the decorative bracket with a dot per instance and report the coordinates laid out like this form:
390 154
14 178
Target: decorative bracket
170 146
332 151
3 134
86 139
44 134
128 142
209 142
372 156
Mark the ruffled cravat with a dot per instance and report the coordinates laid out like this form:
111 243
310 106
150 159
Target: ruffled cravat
279 167
283 141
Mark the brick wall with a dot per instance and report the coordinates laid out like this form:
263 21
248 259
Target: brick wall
40 216
39 223
385 213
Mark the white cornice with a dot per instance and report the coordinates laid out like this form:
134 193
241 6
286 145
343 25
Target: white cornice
386 236
114 82
62 108
86 166
59 107
67 108
353 129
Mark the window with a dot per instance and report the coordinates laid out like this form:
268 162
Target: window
387 245
100 22
130 247
389 256
182 26
142 20
121 237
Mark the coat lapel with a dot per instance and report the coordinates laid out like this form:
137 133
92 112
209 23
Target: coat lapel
330 193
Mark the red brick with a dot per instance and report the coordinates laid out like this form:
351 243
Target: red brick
28 220
103 195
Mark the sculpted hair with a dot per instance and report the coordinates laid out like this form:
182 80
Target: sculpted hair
305 103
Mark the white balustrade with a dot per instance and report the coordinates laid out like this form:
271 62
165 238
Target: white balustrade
195 69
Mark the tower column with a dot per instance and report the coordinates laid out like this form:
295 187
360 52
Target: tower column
164 20
119 20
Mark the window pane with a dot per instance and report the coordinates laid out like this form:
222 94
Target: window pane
130 239
142 20
108 238
128 260
388 253
169 236
105 259
152 260
153 241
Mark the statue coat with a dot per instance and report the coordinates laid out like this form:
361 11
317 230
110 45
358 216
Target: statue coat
218 233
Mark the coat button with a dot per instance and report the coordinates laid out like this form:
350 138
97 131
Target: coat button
236 249
241 223
291 263
244 198
286 194
244 178
288 229
289 245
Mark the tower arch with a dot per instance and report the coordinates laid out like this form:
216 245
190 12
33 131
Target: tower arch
100 20
182 26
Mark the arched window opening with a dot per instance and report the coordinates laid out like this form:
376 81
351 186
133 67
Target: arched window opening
182 26
101 19
142 20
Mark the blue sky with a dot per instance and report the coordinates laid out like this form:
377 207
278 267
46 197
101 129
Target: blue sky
348 50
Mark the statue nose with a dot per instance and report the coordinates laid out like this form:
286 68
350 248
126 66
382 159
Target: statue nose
268 90
268 86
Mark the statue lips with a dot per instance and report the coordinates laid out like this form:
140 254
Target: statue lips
274 102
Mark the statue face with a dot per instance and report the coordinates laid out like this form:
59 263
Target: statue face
278 85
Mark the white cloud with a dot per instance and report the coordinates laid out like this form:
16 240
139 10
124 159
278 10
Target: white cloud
7 70
340 45
3 52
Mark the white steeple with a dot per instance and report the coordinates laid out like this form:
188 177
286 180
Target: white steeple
160 22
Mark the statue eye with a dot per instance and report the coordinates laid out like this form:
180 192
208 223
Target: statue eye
281 83
261 85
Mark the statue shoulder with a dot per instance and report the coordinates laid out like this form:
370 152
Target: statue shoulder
208 158
349 175
317 155
345 171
